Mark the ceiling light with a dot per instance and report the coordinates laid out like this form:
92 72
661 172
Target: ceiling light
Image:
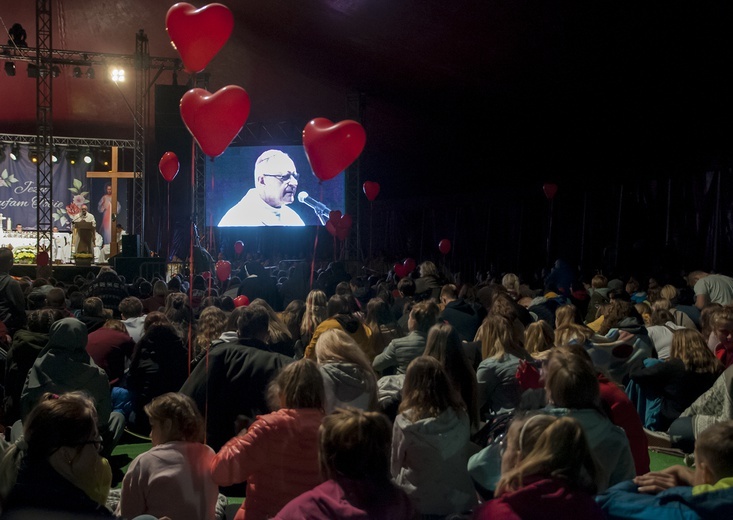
55 154
117 75
72 155
33 155
15 152
32 71
90 73
87 156
76 71
10 68
55 71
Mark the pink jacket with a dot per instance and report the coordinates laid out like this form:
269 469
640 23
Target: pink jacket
278 457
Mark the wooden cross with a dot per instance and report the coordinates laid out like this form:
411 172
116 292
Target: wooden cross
113 174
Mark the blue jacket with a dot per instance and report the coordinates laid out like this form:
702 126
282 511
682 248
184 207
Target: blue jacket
623 501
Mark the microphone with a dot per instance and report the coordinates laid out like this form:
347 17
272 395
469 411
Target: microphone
318 207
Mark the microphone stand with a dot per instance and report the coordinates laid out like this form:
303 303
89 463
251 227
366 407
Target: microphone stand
322 216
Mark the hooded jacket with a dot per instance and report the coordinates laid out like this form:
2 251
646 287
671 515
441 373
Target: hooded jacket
430 462
64 366
347 384
463 316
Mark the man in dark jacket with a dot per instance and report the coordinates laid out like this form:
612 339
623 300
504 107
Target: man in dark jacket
12 301
458 312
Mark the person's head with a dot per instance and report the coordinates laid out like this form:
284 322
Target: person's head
378 312
116 325
423 316
276 178
572 333
694 276
108 190
565 314
660 316
599 281
510 281
131 307
297 385
448 293
254 323
56 298
338 304
427 390
6 259
41 320
669 292
84 209
406 287
356 445
570 379
539 337
154 319
174 417
722 325
496 335
55 229
94 307
690 346
548 446
714 453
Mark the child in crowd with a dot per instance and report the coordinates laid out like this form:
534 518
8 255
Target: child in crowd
354 457
547 471
678 491
171 479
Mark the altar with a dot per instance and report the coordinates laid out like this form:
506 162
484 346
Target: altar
27 240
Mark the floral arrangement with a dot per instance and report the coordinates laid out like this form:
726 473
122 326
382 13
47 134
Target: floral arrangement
24 255
83 255
79 197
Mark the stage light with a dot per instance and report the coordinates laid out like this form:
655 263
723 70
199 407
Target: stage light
90 73
117 75
33 155
72 155
55 71
76 71
32 71
55 154
10 68
15 152
104 156
87 156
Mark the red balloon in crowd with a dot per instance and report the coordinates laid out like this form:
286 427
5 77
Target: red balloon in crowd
214 120
550 190
332 147
444 246
400 270
169 166
223 270
198 34
338 225
241 301
409 264
371 190
238 247
206 275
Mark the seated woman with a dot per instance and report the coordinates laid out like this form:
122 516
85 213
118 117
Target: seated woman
56 466
547 471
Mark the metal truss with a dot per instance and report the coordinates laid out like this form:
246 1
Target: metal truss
199 181
44 125
353 249
67 141
142 76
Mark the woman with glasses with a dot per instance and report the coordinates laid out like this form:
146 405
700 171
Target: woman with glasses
276 182
55 466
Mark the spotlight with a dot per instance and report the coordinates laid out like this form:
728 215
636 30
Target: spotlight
55 154
117 75
72 155
76 72
87 156
10 68
103 154
90 73
33 155
55 71
32 71
15 152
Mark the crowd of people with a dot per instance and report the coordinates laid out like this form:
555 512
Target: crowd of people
379 396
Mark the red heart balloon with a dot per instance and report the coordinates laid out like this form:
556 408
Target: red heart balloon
198 34
409 264
42 259
343 227
400 270
371 190
169 166
550 190
238 247
330 147
444 246
206 275
241 301
330 227
214 120
223 270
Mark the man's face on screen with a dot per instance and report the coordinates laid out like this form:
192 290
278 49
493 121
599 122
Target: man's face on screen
280 183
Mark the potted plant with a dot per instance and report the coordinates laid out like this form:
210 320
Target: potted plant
24 255
83 258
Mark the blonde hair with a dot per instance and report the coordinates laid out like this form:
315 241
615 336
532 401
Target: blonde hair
669 292
599 281
572 333
560 450
565 314
428 390
181 410
315 312
538 338
497 338
276 326
690 347
510 282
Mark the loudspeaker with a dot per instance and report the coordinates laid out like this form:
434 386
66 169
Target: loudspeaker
131 245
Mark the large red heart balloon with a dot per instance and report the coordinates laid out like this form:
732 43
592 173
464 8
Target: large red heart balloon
550 190
409 264
223 270
169 166
198 34
444 246
238 247
215 119
400 270
330 147
371 190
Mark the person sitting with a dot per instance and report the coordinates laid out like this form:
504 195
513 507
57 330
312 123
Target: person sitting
172 479
679 491
547 471
354 454
341 316
277 455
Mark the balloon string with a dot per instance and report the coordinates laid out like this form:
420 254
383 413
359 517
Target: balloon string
191 261
313 260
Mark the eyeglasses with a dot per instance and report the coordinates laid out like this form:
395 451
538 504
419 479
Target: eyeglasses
96 442
284 178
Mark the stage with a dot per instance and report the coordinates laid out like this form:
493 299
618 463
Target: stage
129 267
61 272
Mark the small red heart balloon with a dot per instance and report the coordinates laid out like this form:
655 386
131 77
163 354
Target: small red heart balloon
214 120
169 166
241 301
206 275
238 247
330 147
409 264
400 270
223 270
550 190
444 246
371 190
339 225
198 34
